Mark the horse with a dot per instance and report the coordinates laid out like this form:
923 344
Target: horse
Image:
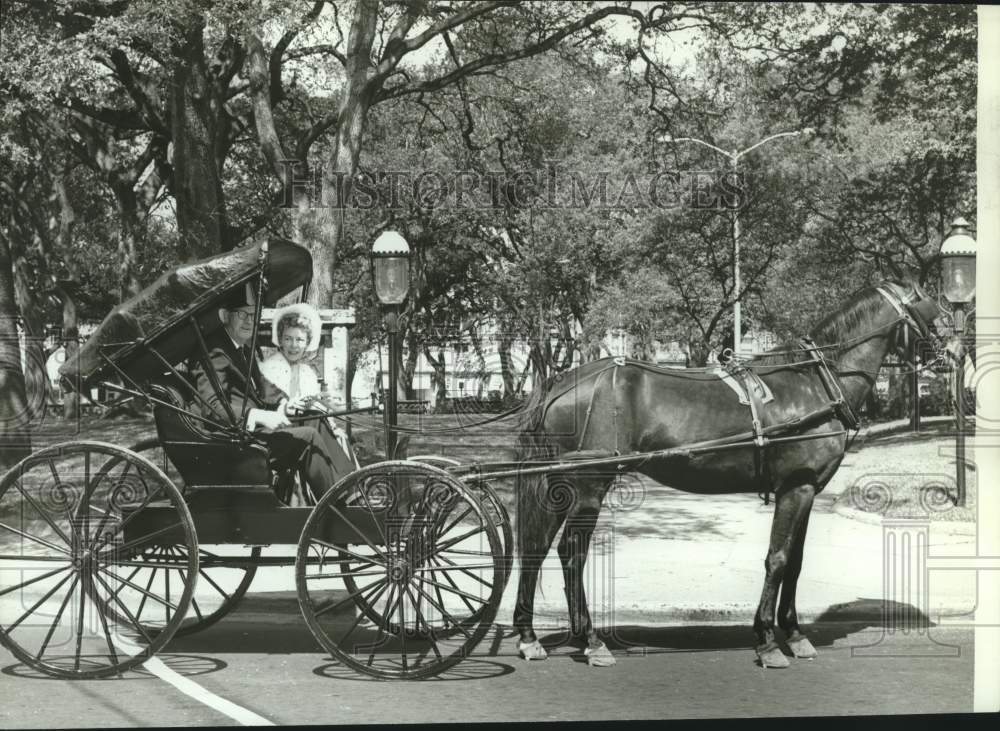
693 430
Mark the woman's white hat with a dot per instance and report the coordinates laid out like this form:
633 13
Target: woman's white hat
306 311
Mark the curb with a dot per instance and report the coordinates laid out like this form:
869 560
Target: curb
876 431
948 527
736 615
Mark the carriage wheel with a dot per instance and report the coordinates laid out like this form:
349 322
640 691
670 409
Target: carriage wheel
423 566
223 582
495 510
491 501
74 521
225 579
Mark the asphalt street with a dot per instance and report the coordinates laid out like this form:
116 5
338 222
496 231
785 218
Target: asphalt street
263 660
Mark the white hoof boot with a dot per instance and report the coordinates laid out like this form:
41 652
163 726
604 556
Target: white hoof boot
800 646
532 650
771 656
600 657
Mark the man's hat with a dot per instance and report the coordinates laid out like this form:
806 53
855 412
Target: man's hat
239 297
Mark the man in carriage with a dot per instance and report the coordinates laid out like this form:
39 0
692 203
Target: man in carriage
313 450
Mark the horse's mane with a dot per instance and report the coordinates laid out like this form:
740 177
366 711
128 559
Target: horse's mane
833 329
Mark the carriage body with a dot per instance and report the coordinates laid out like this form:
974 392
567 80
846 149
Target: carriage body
117 547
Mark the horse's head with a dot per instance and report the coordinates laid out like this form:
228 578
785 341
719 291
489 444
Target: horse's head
920 317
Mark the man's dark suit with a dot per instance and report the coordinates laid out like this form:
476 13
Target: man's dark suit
316 451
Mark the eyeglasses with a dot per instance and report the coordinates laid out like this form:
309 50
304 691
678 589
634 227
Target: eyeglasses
243 315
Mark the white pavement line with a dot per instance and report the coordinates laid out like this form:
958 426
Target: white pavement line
190 688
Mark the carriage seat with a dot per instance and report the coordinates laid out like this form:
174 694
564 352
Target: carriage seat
201 455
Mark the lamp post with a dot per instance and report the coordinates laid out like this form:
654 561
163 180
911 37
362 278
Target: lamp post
734 161
390 259
958 284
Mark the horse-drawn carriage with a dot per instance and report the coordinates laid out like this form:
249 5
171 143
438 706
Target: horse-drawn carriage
400 566
107 552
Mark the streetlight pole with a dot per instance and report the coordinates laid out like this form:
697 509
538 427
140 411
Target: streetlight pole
390 259
958 284
734 161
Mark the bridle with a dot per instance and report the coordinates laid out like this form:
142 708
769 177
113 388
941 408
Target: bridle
906 313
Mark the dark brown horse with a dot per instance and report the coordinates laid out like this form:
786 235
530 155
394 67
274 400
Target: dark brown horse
617 407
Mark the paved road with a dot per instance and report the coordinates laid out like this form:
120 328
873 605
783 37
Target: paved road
263 659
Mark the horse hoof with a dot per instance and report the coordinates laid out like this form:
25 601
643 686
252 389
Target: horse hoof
800 646
771 656
532 650
600 657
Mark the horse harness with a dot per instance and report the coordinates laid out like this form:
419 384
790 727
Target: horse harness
756 394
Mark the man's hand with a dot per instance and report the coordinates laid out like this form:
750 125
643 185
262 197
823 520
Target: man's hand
264 419
298 404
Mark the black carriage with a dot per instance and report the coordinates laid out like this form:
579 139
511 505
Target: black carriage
108 552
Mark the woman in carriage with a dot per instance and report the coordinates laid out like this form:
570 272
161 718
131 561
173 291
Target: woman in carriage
287 374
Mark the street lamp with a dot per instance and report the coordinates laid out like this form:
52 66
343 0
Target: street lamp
390 259
958 284
734 161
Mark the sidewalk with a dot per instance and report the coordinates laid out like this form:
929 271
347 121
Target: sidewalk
705 563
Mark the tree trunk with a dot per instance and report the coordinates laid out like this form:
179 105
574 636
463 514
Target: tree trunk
408 365
128 234
197 140
71 341
14 418
439 376
697 353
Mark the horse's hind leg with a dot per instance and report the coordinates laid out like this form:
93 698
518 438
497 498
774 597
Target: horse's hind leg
535 541
573 548
791 510
788 620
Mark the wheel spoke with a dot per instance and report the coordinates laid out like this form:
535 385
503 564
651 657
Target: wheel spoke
444 531
55 622
421 618
345 574
444 612
385 538
381 630
361 615
36 539
465 569
40 602
148 538
453 588
357 530
350 597
40 511
29 582
145 592
458 539
131 618
104 626
79 623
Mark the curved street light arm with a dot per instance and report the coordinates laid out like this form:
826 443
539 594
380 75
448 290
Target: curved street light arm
793 133
701 142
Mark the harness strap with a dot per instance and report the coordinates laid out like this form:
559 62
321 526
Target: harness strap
831 384
761 465
616 364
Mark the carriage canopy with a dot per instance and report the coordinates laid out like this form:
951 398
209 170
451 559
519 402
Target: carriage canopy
157 324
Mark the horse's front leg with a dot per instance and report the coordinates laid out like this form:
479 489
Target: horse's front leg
791 511
788 619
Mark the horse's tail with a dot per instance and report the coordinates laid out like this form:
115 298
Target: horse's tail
532 446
